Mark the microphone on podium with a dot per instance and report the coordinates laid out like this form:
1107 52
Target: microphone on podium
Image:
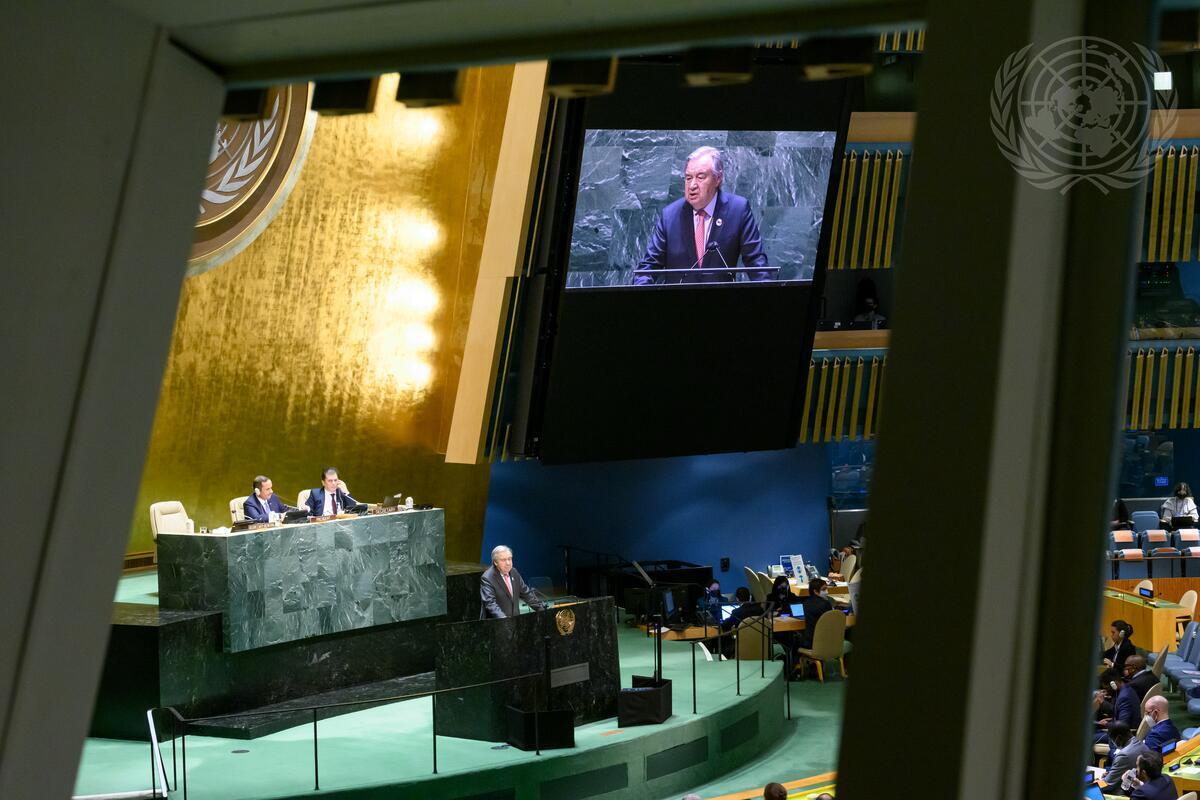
699 262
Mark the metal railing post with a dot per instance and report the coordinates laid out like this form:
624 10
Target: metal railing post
737 656
693 677
316 763
787 683
183 750
433 708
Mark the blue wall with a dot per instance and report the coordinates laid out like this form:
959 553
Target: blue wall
749 506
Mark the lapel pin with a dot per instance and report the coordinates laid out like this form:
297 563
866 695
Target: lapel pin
718 221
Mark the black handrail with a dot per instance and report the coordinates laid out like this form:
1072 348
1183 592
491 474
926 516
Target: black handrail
179 719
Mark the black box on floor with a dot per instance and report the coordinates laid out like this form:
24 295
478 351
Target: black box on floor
647 703
555 729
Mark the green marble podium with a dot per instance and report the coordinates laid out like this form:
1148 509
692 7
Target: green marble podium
293 582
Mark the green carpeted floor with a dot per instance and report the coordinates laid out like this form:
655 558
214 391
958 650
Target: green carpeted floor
140 587
808 745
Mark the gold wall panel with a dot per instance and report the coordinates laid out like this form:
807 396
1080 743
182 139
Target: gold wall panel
336 337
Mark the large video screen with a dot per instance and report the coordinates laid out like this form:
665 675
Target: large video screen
663 207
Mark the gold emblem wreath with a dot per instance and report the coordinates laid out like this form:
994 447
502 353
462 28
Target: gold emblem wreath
565 622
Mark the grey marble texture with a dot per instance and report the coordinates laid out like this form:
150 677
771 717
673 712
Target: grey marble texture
283 584
627 177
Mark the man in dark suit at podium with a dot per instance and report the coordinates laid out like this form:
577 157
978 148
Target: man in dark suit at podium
501 588
706 229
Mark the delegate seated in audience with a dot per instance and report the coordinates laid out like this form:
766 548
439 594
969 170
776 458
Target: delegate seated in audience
744 611
1125 708
1181 505
263 501
1162 729
1121 633
1150 783
1124 749
331 497
780 598
1120 517
774 791
816 604
1139 676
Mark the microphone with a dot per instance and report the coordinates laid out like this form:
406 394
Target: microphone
713 246
699 262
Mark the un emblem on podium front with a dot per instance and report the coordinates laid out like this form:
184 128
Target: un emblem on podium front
565 622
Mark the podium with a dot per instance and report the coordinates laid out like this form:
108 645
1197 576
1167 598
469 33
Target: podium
572 650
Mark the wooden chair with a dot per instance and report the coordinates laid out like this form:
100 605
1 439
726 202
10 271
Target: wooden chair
764 584
1159 663
754 640
828 644
1155 691
1143 584
753 585
1188 601
1188 796
849 564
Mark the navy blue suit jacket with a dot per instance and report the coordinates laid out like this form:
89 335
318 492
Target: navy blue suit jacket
1127 707
254 510
1162 733
316 501
1161 788
672 243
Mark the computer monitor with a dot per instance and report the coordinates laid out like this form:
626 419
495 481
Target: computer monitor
668 604
1169 747
727 611
1092 792
798 610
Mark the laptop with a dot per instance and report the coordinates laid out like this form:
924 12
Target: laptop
797 610
391 502
727 611
1182 523
1092 792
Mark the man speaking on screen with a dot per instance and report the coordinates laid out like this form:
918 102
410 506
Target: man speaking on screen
704 233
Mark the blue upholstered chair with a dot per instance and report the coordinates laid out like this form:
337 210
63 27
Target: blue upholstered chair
1130 559
1187 542
1157 542
1144 520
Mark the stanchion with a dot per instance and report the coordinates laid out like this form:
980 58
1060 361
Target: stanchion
737 656
693 677
433 708
183 749
787 682
316 764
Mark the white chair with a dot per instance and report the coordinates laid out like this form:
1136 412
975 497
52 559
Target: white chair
169 516
302 498
1188 796
1144 584
756 591
237 508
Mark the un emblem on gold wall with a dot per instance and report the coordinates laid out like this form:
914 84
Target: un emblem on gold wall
251 168
565 622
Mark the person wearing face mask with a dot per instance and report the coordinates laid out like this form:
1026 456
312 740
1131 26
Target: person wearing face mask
1176 508
1162 729
1121 633
816 604
1124 749
1149 783
1125 706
